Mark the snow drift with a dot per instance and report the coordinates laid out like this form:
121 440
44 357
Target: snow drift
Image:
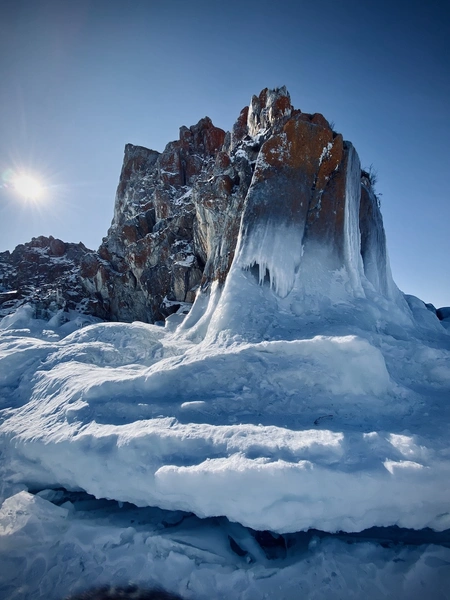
330 432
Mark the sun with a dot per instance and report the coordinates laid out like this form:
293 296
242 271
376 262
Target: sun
28 186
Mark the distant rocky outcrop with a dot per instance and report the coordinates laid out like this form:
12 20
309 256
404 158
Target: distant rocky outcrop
45 273
178 215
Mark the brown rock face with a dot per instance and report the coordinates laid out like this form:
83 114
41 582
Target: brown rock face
282 182
57 247
328 199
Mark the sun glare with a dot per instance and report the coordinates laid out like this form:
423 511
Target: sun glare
28 187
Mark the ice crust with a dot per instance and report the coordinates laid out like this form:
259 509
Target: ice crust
334 432
352 256
48 551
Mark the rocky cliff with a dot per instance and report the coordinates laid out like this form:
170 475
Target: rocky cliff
282 187
178 214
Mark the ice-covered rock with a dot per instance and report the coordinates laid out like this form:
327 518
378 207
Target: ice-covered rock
283 190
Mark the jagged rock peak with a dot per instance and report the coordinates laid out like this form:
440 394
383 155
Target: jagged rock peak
267 114
204 137
266 108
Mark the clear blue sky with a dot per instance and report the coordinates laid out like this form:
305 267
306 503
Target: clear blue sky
79 79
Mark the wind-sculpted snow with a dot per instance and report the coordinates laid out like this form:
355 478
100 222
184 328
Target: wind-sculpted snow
334 432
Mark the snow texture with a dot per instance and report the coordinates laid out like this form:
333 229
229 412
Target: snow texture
348 429
55 542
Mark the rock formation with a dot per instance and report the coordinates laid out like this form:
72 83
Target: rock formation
154 255
282 182
45 273
177 214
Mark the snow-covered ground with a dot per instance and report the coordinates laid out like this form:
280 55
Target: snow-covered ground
257 413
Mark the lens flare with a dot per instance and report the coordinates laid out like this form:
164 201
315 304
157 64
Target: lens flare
27 186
